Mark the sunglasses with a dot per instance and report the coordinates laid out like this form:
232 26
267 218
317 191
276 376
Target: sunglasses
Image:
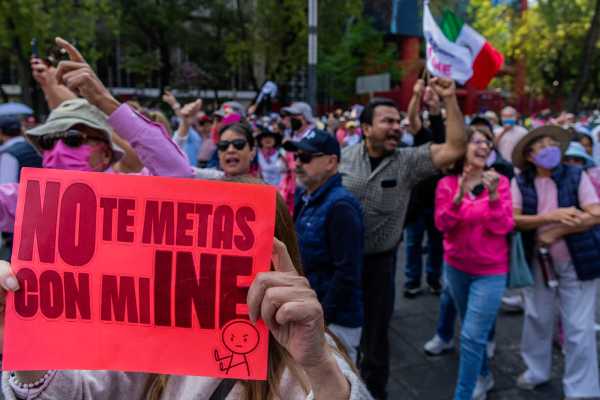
71 138
238 144
306 158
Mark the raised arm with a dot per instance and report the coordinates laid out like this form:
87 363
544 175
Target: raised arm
414 107
159 154
443 155
45 76
170 99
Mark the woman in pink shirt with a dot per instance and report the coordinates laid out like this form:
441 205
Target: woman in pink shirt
473 210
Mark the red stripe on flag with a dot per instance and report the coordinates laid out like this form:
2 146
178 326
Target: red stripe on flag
485 67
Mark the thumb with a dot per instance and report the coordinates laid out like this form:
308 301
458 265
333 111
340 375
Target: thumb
8 280
281 258
74 54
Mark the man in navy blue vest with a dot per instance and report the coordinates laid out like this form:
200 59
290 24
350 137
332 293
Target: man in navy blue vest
556 205
15 153
329 224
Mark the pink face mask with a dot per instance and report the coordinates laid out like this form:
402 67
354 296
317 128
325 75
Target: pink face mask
65 157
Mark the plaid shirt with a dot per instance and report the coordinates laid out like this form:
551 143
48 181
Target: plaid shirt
385 192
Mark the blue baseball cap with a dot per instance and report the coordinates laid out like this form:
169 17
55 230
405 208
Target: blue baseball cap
315 142
10 124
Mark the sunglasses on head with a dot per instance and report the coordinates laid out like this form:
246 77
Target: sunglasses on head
306 158
71 138
238 144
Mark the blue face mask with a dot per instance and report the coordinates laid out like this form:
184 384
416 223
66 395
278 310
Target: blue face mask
509 122
548 158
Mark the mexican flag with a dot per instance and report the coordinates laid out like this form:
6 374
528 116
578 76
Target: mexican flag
459 52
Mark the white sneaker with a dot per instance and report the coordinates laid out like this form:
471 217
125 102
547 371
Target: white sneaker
484 385
437 346
524 384
512 303
491 349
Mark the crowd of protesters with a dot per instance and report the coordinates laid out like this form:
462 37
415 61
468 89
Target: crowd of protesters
351 185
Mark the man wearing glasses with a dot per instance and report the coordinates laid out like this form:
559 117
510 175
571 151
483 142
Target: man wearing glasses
330 231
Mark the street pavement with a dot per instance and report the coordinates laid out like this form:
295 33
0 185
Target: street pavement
417 376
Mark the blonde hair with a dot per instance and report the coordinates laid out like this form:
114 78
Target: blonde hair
159 117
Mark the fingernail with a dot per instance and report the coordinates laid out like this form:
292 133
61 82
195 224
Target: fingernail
252 318
11 283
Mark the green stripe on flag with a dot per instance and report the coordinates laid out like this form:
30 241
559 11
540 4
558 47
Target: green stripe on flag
451 25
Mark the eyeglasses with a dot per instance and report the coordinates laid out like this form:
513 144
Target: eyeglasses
238 144
478 142
71 138
306 158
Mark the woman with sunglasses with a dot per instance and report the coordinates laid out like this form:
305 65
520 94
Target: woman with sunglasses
236 152
473 210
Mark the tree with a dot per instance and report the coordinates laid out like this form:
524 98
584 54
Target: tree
556 38
585 66
360 51
22 20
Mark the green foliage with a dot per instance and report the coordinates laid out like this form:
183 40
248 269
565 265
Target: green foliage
204 44
550 36
360 51
22 20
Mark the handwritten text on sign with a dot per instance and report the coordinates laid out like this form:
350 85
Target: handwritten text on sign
138 274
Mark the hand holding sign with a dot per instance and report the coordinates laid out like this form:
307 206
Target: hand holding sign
290 309
8 281
149 271
79 77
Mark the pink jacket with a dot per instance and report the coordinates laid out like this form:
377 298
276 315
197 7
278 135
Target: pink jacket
475 232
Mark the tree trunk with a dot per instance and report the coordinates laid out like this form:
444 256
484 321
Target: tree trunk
585 65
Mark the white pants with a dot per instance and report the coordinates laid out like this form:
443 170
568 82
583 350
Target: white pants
577 305
350 338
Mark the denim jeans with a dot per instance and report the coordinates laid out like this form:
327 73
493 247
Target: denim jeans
447 317
413 236
477 299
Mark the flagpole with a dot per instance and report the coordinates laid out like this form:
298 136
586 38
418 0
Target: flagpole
312 53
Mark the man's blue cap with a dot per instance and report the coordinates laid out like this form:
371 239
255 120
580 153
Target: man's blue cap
315 142
10 123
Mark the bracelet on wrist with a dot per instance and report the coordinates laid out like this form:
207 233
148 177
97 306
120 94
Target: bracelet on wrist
31 385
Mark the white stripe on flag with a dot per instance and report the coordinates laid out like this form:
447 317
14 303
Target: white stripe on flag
445 58
471 39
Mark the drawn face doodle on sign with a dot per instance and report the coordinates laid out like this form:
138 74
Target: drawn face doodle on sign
240 337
